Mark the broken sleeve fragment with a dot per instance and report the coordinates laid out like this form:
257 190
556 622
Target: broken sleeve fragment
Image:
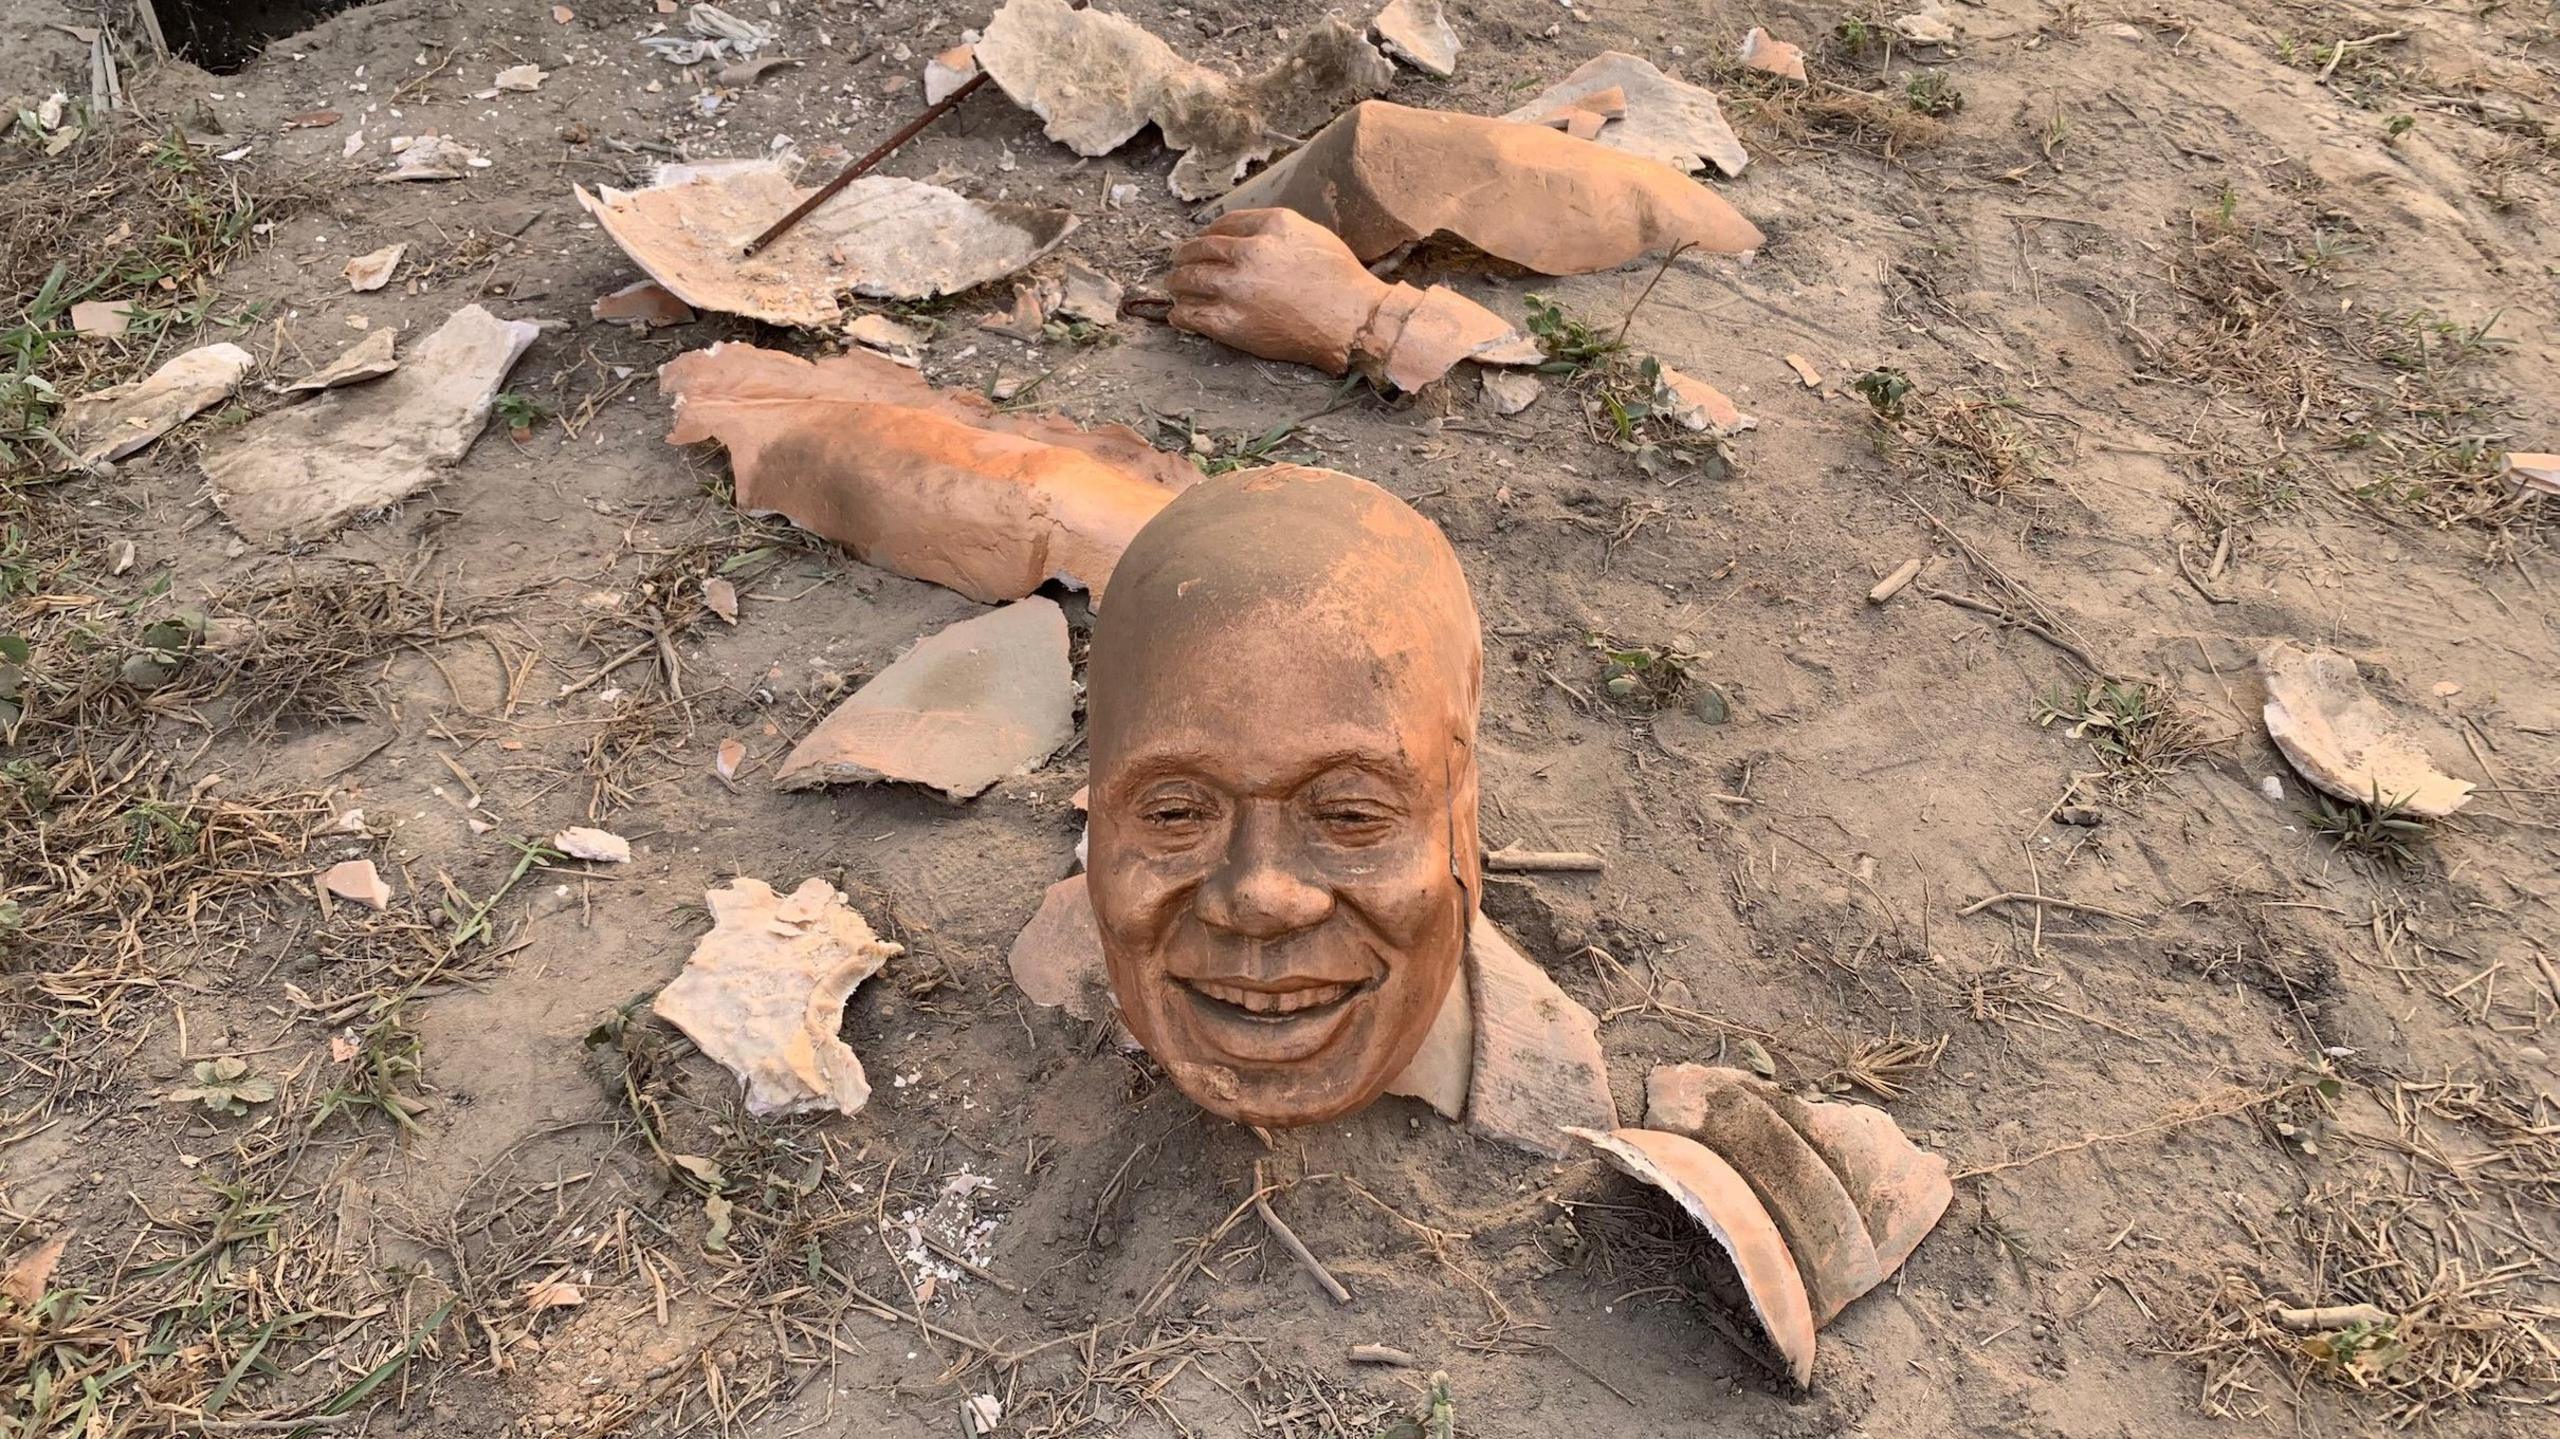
883 236
1384 176
936 485
1096 80
1276 284
985 698
764 993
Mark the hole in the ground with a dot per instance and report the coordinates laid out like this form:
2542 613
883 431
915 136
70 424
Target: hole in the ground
225 35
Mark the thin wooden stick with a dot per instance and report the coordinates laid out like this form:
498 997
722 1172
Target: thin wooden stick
2015 897
863 166
1299 1251
1511 859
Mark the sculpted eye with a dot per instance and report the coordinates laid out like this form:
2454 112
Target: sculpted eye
1175 812
1354 821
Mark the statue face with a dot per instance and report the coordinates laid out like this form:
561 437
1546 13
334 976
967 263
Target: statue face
1283 856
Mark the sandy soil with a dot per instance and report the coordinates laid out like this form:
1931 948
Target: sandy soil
2205 347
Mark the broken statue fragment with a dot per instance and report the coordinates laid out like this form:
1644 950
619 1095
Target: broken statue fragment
986 698
1815 1202
764 993
883 236
112 423
937 485
1276 284
1384 177
2340 738
299 473
1655 116
1282 715
1096 80
1418 32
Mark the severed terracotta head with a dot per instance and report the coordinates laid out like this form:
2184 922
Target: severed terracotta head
1283 865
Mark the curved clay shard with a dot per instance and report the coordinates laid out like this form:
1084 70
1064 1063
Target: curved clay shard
1718 1198
764 993
970 704
1806 1161
1384 176
1657 117
934 484
883 236
2341 739
1097 80
1823 1228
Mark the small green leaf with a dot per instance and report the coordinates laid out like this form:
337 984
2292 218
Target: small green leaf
15 649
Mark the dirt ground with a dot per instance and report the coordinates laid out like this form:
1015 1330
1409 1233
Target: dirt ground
2161 332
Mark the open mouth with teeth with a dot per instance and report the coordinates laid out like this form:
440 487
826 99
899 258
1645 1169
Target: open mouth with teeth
1272 1005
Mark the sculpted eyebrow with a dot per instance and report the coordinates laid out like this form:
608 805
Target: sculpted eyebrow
1199 764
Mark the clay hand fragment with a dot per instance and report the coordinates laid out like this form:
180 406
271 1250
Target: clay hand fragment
883 236
2341 739
1276 284
1097 80
298 474
1657 117
112 423
1418 32
764 993
934 484
986 698
1816 1203
1384 177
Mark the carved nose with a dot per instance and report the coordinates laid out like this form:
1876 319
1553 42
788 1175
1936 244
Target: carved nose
1259 891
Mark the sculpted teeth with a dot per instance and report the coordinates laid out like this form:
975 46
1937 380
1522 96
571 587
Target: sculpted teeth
1264 1001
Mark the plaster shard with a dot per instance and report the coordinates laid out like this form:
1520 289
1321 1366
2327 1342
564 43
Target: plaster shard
298 474
934 484
1384 177
764 993
1096 80
985 698
112 423
1418 33
1538 1068
1664 119
1057 958
2341 739
370 358
884 237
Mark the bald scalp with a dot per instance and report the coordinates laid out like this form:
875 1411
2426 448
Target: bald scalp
1307 559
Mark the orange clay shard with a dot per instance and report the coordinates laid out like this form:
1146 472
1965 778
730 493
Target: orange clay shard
1846 1196
934 484
1384 176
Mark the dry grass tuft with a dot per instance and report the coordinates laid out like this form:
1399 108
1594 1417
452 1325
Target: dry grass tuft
2451 1321
1965 437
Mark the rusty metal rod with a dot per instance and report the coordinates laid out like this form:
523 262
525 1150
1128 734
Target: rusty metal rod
861 167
